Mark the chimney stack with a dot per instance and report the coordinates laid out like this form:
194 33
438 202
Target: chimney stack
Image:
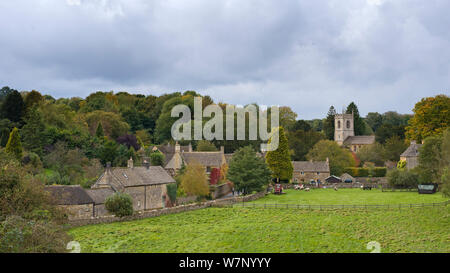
190 147
222 149
108 165
130 163
177 147
146 164
328 160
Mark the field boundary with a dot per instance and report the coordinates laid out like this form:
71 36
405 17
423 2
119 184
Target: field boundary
320 207
223 202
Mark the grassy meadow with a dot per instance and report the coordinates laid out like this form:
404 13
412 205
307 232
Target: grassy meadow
258 230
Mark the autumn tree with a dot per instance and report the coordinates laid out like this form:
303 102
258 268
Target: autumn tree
431 117
279 160
14 146
32 98
194 180
339 157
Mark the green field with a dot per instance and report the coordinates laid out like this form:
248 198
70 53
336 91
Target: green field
350 197
281 230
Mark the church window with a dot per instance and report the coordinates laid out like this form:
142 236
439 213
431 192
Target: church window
348 124
339 124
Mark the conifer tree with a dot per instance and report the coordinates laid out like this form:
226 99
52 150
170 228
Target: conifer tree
4 137
14 146
328 126
279 161
99 133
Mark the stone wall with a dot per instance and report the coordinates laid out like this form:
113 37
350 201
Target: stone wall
221 190
159 212
76 212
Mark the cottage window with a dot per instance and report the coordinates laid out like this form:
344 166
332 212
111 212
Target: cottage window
318 173
302 173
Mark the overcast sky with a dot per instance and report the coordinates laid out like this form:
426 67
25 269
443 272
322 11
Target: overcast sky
384 55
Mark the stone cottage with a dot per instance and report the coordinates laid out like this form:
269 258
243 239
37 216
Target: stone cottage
147 185
184 154
308 171
74 199
411 155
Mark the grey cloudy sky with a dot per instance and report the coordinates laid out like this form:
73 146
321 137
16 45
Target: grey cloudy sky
384 55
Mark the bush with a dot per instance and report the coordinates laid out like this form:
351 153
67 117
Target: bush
403 179
156 158
378 172
19 235
119 204
357 172
172 192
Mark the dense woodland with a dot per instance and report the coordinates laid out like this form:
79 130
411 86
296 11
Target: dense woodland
69 140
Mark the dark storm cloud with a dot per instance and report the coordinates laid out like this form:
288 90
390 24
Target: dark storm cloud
384 55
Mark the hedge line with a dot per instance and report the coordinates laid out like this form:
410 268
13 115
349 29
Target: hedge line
363 172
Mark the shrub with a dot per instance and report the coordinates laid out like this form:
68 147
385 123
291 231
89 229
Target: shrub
403 179
172 192
357 172
156 158
19 235
119 204
378 172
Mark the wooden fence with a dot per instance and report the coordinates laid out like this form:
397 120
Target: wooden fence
320 207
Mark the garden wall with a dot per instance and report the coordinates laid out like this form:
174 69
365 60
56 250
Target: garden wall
159 212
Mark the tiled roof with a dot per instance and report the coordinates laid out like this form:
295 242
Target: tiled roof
412 150
359 140
204 158
69 195
141 176
99 195
311 166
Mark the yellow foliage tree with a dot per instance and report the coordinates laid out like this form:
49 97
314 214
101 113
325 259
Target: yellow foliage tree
194 180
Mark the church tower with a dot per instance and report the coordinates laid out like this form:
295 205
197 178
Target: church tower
343 127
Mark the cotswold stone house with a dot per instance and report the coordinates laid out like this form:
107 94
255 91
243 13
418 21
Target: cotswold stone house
308 171
344 133
74 199
411 155
177 155
147 185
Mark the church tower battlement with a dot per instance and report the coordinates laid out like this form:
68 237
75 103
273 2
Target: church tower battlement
343 127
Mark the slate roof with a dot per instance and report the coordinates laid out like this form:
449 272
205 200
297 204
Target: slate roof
141 176
311 166
412 150
99 195
346 176
359 140
203 158
333 179
69 195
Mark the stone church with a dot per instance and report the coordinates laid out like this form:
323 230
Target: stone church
344 133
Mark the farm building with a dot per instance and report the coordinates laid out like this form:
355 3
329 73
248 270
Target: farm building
333 179
147 185
307 171
347 178
411 155
74 199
